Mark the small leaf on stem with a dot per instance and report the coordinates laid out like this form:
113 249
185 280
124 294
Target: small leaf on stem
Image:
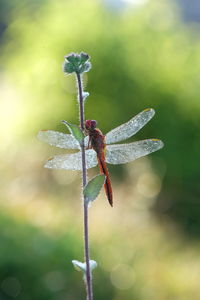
68 68
85 67
92 189
85 95
75 131
84 57
79 266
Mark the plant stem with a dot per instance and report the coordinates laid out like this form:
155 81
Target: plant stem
85 205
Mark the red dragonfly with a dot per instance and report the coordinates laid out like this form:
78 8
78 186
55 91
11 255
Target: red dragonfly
97 142
102 152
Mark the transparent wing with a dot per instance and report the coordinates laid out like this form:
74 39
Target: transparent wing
123 153
60 139
72 161
129 128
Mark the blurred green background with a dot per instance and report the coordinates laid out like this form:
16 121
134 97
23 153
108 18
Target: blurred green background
143 55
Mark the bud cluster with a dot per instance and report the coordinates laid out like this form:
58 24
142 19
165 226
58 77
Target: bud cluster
78 63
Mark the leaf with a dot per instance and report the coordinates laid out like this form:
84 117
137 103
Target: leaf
75 131
92 189
84 57
68 68
85 95
93 265
85 67
79 266
73 58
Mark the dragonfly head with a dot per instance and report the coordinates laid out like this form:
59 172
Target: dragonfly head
90 124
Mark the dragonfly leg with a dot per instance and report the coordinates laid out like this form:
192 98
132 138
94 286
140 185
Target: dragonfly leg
89 146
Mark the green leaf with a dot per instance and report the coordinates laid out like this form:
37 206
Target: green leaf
92 189
72 58
75 131
85 67
79 266
68 68
84 57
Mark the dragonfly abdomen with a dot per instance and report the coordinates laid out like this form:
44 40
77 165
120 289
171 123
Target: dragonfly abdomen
107 184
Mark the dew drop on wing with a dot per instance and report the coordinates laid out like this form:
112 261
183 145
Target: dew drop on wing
72 161
123 153
129 128
58 139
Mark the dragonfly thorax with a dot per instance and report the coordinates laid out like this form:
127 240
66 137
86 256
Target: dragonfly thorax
96 137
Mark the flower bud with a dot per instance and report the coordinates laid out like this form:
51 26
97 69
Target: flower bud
77 63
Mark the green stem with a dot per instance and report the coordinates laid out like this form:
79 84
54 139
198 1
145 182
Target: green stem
85 206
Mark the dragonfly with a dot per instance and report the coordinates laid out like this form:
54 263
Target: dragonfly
102 148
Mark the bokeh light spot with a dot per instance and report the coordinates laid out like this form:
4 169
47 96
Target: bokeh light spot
11 286
123 277
149 185
55 281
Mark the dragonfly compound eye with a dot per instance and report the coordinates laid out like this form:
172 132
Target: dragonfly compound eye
93 124
90 124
